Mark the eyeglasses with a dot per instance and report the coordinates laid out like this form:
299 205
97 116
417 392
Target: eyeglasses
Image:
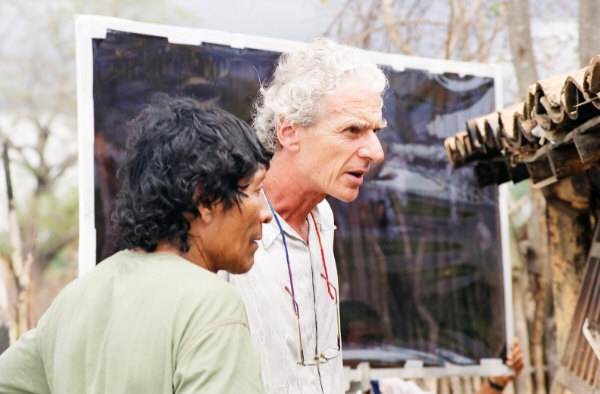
327 353
330 352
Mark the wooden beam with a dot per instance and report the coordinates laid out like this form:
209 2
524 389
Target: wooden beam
541 172
565 161
568 379
591 332
588 147
519 173
492 173
570 236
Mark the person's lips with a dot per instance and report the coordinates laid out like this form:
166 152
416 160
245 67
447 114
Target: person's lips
256 238
357 176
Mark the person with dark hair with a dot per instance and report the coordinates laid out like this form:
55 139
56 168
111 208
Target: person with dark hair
155 318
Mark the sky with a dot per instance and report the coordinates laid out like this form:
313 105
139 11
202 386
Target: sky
286 19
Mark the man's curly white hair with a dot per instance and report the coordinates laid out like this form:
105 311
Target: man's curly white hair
302 78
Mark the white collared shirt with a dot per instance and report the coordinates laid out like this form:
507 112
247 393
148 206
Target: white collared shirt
273 324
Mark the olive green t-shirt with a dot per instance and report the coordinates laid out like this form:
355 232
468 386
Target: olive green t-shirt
138 323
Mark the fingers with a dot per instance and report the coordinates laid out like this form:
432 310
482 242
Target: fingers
514 358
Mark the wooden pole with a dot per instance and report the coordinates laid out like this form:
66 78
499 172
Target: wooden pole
570 233
21 268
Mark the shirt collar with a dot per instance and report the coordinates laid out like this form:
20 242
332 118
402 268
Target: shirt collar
271 230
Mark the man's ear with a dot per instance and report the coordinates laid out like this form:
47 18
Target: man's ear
206 213
287 134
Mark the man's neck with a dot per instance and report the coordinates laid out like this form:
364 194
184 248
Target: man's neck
290 195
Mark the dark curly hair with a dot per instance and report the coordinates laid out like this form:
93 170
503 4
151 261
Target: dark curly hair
180 154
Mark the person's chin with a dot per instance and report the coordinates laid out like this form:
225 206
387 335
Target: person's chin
244 267
346 195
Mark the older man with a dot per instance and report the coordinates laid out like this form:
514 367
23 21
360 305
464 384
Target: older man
155 318
320 115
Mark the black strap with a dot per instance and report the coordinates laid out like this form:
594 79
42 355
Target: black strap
495 386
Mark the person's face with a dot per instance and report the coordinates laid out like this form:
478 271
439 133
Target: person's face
233 234
338 149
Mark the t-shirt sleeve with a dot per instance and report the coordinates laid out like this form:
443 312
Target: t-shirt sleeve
22 367
221 359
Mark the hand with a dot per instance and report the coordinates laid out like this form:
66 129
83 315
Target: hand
514 360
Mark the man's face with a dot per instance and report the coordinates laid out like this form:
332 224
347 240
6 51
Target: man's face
337 150
235 232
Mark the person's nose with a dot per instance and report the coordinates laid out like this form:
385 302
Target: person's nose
265 212
371 148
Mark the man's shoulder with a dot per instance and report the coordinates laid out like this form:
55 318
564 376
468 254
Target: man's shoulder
176 277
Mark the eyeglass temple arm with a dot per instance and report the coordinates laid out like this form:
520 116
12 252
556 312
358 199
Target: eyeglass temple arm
337 314
297 312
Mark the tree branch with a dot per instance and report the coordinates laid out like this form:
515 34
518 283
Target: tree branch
64 165
449 30
404 22
50 250
388 18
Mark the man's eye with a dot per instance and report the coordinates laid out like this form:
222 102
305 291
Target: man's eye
376 131
353 129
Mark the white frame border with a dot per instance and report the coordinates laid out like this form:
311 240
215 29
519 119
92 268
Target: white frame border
90 27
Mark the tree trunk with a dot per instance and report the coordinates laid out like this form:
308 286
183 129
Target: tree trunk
570 233
21 269
540 268
589 20
6 301
521 47
523 381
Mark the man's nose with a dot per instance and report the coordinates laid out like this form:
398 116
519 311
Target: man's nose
265 212
371 148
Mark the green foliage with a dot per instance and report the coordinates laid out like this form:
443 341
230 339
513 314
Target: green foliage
498 9
52 218
4 245
518 190
519 205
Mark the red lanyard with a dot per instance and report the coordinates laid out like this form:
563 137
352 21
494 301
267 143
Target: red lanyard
322 255
287 257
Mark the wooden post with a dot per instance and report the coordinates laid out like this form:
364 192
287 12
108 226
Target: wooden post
591 331
21 268
541 172
540 271
569 231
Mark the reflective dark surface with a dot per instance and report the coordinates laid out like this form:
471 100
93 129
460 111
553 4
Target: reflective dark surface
418 252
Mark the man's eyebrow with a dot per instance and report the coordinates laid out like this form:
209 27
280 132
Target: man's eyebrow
363 124
357 123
